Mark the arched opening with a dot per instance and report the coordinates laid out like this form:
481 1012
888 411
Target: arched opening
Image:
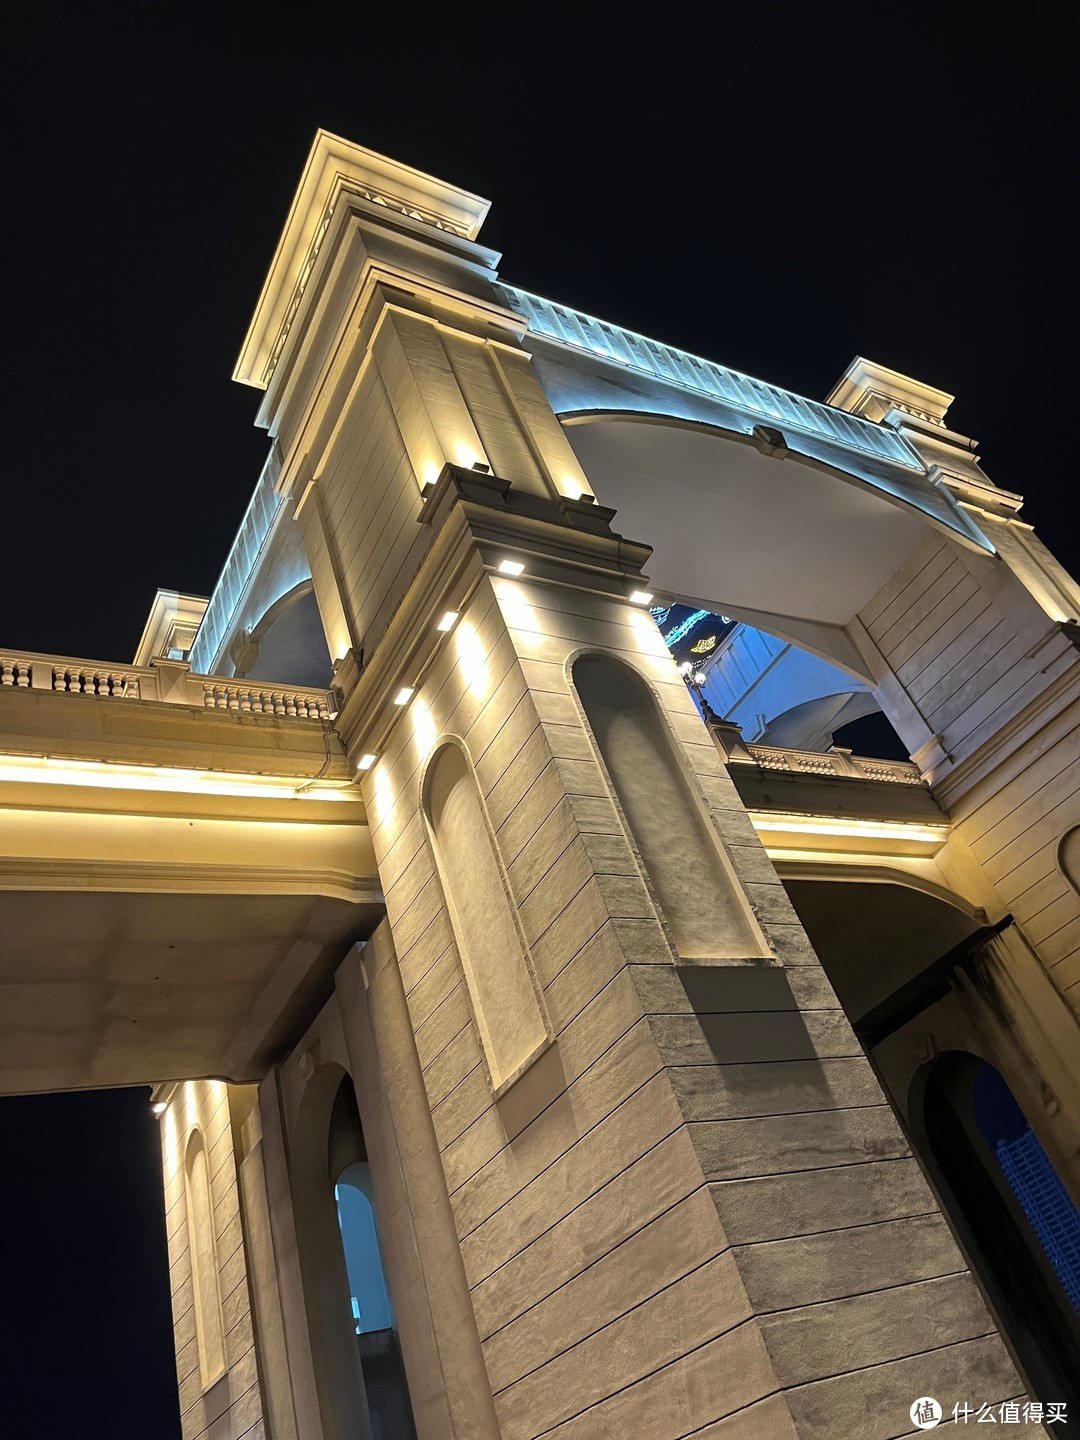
359 1374
701 901
202 1250
370 1307
1011 1212
873 938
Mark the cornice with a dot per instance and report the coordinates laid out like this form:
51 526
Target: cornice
477 518
337 169
161 877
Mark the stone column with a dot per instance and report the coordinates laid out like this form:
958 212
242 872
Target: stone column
692 1211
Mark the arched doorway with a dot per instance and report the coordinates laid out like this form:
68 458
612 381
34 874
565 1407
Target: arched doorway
1014 1217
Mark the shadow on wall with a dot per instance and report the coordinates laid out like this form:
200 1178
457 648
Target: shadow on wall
288 645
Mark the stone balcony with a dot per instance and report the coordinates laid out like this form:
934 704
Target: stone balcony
833 800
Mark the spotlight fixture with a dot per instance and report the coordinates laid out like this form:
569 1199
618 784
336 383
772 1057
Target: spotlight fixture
641 597
366 761
511 567
159 1107
448 621
480 467
404 695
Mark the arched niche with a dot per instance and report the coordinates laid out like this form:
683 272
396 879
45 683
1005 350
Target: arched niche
702 901
498 969
1011 1213
202 1251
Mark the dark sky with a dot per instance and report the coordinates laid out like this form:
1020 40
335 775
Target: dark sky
775 186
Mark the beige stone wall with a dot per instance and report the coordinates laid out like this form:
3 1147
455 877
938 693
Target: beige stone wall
994 679
697 1205
231 1407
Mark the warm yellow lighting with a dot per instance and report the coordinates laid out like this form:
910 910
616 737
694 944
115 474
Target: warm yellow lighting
384 792
404 695
783 834
517 611
430 473
172 1143
102 774
159 1107
571 489
448 621
472 660
641 597
511 567
467 456
424 731
366 761
855 829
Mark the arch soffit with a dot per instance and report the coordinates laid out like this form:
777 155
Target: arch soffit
938 510
867 872
800 539
285 602
310 1132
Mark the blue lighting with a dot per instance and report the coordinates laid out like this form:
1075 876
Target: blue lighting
718 382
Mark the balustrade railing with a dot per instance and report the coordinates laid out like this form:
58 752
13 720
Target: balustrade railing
168 683
837 762
304 704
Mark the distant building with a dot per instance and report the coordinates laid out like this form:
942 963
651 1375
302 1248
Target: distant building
548 1041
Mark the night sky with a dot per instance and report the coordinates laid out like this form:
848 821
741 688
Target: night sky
777 187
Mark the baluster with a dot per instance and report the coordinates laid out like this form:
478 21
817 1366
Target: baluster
290 704
7 673
243 700
278 703
23 673
232 697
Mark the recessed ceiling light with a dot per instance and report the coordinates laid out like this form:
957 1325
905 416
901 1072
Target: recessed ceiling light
448 621
641 597
404 695
511 567
366 761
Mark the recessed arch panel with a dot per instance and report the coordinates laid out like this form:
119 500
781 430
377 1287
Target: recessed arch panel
498 970
701 899
202 1250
